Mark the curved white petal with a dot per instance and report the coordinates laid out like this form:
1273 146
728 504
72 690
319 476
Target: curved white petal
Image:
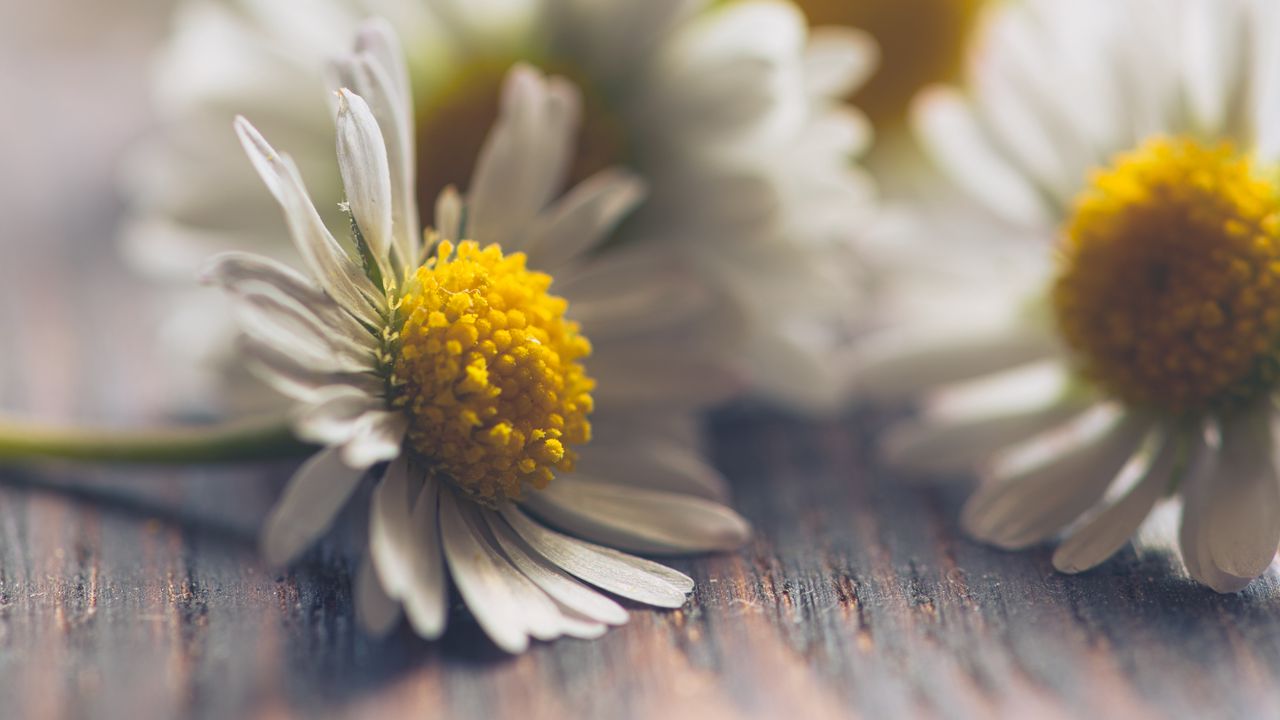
553 581
631 577
313 497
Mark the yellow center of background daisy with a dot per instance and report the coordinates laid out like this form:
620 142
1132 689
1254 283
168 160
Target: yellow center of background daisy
490 373
1169 286
921 42
456 116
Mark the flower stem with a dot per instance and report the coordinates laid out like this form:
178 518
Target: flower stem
253 440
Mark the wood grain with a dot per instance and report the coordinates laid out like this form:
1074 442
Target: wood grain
858 598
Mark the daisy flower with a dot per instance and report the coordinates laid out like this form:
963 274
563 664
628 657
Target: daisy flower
726 110
1109 332
445 365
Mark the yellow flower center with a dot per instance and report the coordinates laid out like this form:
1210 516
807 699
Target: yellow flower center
921 42
455 117
1169 286
490 373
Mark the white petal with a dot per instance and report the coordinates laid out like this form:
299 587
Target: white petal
368 74
449 212
896 363
932 446
1241 522
1018 509
1110 529
954 138
524 157
1197 487
837 60
657 464
328 262
480 580
582 219
298 378
390 535
240 272
426 595
332 418
639 520
314 495
378 436
273 318
366 177
631 577
560 586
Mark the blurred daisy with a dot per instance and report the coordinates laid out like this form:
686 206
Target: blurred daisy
452 371
724 109
1126 344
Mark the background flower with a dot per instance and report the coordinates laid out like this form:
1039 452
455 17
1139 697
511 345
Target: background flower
1125 153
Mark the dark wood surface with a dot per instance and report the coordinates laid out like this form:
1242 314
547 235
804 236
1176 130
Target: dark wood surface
859 597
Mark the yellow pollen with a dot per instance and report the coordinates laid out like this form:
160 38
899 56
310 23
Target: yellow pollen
456 115
921 42
1169 284
490 372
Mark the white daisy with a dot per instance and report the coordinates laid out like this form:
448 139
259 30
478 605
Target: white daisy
453 372
725 109
1125 345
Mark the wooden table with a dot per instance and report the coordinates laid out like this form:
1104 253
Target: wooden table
859 597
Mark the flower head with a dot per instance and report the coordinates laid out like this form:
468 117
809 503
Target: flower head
1131 349
459 372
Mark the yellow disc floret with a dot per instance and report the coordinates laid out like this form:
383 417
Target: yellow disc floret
1169 287
490 372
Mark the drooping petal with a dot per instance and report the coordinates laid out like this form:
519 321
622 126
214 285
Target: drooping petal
631 577
310 501
1110 529
554 581
1020 508
1240 525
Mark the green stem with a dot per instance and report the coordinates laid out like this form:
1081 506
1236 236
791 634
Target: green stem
253 440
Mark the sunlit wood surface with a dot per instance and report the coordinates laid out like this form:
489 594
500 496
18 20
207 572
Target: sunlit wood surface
859 598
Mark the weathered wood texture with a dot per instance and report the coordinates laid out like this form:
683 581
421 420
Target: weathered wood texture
858 598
